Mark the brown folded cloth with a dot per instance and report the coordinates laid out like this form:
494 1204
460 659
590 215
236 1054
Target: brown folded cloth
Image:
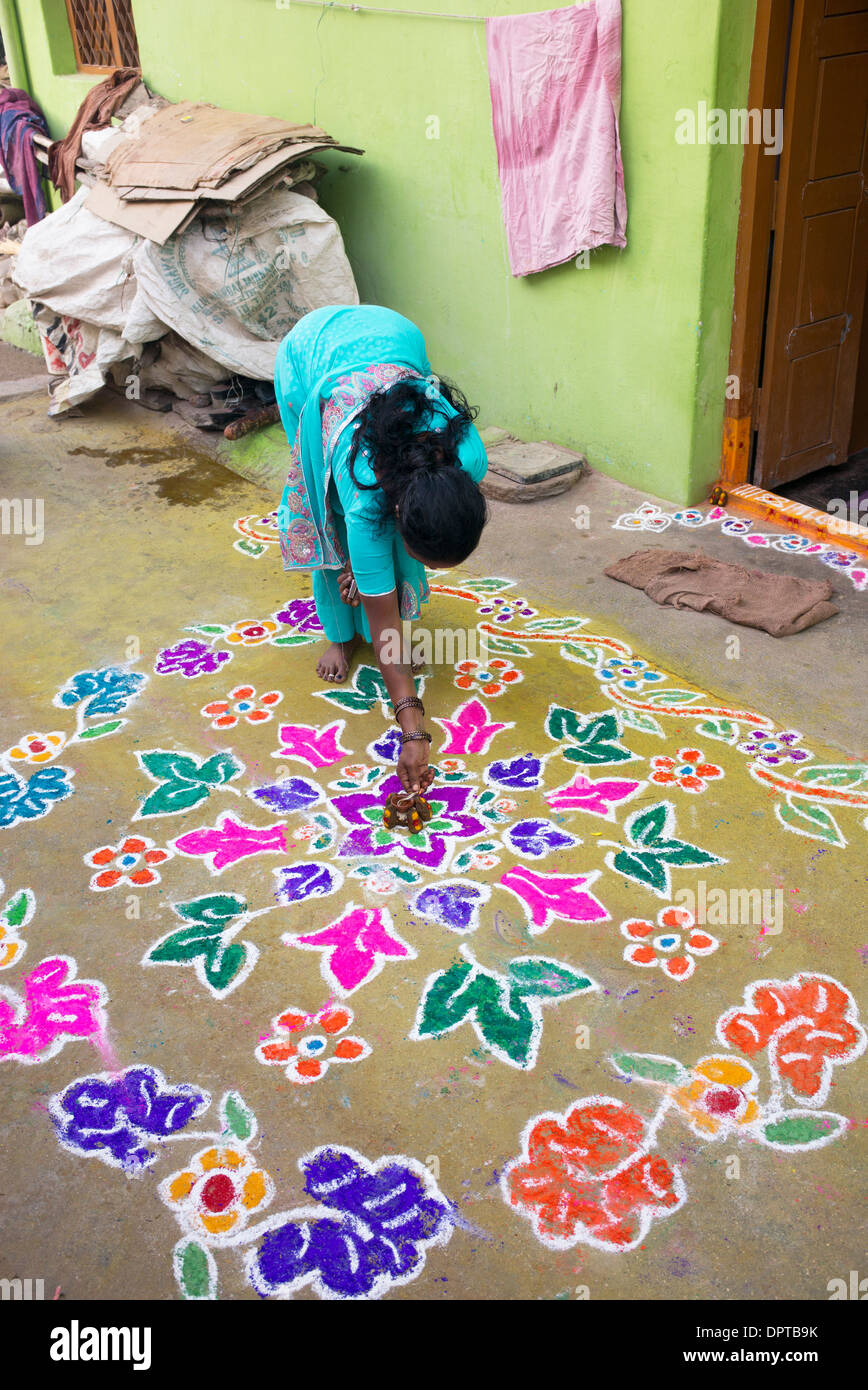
776 603
95 112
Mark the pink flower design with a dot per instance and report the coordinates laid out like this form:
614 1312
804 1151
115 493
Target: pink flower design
302 1043
316 745
547 896
355 947
55 1008
598 797
665 949
231 840
470 730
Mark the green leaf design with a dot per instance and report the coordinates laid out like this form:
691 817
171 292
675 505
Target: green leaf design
367 688
646 1067
581 653
835 774
500 646
488 586
565 624
594 739
19 909
99 730
210 629
216 909
722 729
809 819
803 1129
185 781
535 977
671 697
294 639
638 719
236 1118
218 964
650 832
195 1270
504 1010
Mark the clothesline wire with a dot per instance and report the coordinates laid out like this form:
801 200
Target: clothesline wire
378 9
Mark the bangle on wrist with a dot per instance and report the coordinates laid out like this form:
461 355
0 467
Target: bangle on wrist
415 737
408 702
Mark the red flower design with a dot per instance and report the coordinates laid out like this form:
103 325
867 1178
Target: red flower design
588 1177
810 1024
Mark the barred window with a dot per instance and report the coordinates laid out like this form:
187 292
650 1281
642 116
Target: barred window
103 34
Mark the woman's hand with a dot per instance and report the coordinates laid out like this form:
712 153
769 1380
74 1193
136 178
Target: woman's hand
413 770
347 586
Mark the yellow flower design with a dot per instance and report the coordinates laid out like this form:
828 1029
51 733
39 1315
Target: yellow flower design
719 1095
215 1196
250 633
38 748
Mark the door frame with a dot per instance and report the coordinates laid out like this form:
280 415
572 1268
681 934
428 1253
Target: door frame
752 276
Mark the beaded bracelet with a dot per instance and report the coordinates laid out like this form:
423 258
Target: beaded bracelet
412 738
408 702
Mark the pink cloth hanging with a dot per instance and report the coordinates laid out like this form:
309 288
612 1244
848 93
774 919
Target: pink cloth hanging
555 80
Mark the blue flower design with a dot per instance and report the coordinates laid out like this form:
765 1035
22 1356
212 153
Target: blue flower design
110 690
30 799
114 1117
538 838
630 675
385 1216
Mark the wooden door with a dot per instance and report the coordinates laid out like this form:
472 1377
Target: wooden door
820 246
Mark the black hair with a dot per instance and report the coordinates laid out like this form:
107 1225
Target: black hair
440 510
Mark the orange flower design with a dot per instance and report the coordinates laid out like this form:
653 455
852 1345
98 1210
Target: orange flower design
687 771
587 1177
225 715
132 861
302 1044
215 1197
673 944
809 1023
491 679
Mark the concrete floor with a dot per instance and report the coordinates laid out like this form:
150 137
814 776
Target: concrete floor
138 545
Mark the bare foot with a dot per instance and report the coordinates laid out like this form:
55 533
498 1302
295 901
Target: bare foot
334 664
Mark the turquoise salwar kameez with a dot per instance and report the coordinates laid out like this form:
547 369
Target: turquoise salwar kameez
327 368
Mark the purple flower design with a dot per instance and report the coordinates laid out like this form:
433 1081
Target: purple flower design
115 1117
191 658
518 772
773 749
301 881
389 746
290 794
363 812
301 615
538 838
375 1225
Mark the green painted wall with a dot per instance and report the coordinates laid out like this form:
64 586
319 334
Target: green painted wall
626 359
